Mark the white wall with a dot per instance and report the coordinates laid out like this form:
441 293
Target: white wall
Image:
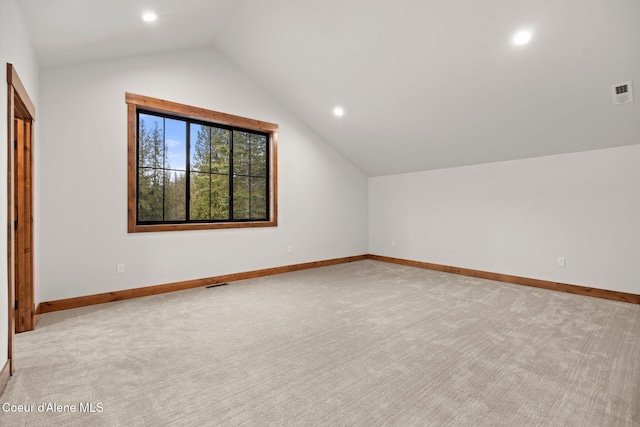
518 217
83 187
15 48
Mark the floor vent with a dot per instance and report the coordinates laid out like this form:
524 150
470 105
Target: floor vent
216 285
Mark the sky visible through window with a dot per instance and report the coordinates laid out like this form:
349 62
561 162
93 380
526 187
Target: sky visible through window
175 137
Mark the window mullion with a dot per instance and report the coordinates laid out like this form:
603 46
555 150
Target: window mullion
138 145
231 151
187 177
268 178
250 140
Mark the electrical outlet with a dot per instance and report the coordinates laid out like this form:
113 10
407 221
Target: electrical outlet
290 249
120 268
393 243
560 261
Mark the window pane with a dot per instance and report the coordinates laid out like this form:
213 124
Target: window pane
249 154
258 155
176 144
241 198
209 149
150 194
150 141
175 196
200 206
219 197
200 148
258 198
220 150
241 146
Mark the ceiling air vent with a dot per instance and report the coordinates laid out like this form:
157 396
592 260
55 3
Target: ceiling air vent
622 93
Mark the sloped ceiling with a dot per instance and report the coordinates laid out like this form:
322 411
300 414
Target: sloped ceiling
425 84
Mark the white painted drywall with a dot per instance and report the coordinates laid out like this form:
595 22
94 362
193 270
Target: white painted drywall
518 217
15 48
82 200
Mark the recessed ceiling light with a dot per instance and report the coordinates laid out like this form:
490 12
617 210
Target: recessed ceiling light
522 37
149 17
338 111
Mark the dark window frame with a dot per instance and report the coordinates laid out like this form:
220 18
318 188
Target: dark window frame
138 104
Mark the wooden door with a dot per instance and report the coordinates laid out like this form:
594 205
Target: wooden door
23 226
21 114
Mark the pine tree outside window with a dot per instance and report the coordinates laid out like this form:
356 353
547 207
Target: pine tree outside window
191 168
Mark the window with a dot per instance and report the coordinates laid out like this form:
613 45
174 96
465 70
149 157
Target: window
191 168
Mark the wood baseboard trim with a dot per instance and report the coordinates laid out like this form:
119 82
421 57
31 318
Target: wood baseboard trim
535 283
5 374
66 304
84 301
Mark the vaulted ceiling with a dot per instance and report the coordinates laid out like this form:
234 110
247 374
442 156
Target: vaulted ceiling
425 84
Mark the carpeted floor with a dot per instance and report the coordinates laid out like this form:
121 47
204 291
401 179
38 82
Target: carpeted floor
360 344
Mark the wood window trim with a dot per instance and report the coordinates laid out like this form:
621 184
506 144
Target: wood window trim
181 110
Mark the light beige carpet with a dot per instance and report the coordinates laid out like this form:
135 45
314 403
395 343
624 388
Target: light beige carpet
360 344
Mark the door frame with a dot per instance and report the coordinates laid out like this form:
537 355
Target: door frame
19 106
